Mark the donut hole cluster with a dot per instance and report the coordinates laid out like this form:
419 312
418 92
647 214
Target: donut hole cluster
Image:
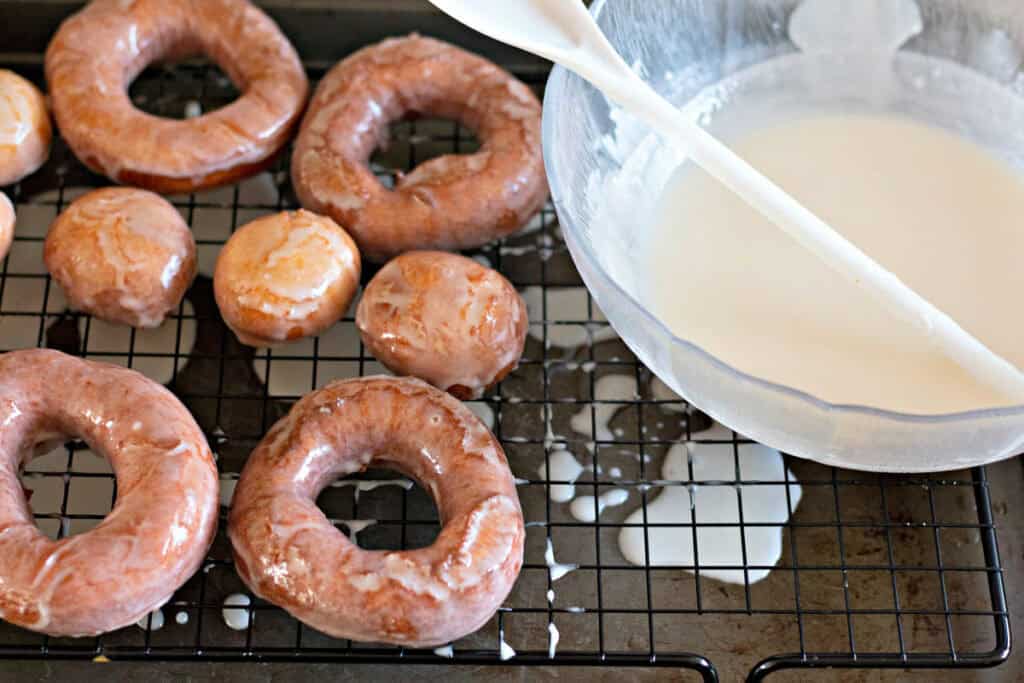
377 501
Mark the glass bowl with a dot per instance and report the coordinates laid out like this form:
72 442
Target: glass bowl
959 68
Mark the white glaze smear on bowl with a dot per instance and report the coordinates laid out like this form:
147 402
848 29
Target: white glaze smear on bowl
713 499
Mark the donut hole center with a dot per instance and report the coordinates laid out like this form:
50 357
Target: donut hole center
70 489
381 509
182 89
414 140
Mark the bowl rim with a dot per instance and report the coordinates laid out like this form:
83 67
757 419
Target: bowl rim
556 84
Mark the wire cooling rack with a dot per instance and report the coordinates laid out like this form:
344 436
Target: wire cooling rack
876 571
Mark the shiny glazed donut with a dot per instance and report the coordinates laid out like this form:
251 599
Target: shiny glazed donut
445 319
7 221
451 202
123 255
284 277
165 516
25 130
99 51
289 553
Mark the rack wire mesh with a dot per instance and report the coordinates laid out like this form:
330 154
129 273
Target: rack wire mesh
876 571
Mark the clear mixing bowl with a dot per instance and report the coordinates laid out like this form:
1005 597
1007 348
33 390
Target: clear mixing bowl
959 68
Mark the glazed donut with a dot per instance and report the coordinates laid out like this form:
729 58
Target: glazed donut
99 51
122 255
288 552
7 221
445 319
451 202
165 517
284 277
25 130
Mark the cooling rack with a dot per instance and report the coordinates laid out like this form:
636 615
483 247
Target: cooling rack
876 571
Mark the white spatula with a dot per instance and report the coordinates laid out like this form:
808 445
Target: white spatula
564 32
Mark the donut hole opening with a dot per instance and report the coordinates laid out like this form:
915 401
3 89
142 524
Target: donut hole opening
182 90
70 489
382 509
413 141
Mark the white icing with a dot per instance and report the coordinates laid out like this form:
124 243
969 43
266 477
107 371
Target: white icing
555 569
181 618
361 485
447 652
193 109
563 466
610 393
154 621
505 651
717 545
586 509
235 611
553 637
355 526
840 169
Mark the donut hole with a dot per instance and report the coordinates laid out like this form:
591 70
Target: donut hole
182 90
414 140
69 488
382 509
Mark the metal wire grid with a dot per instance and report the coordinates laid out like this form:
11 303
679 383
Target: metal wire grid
876 571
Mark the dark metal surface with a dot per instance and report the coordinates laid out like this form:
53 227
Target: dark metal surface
877 571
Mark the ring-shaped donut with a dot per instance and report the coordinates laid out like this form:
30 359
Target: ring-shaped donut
99 51
456 201
161 525
288 552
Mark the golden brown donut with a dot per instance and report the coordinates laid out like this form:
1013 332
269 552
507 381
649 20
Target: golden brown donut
451 202
289 553
25 130
122 255
99 51
445 319
7 221
284 277
165 516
